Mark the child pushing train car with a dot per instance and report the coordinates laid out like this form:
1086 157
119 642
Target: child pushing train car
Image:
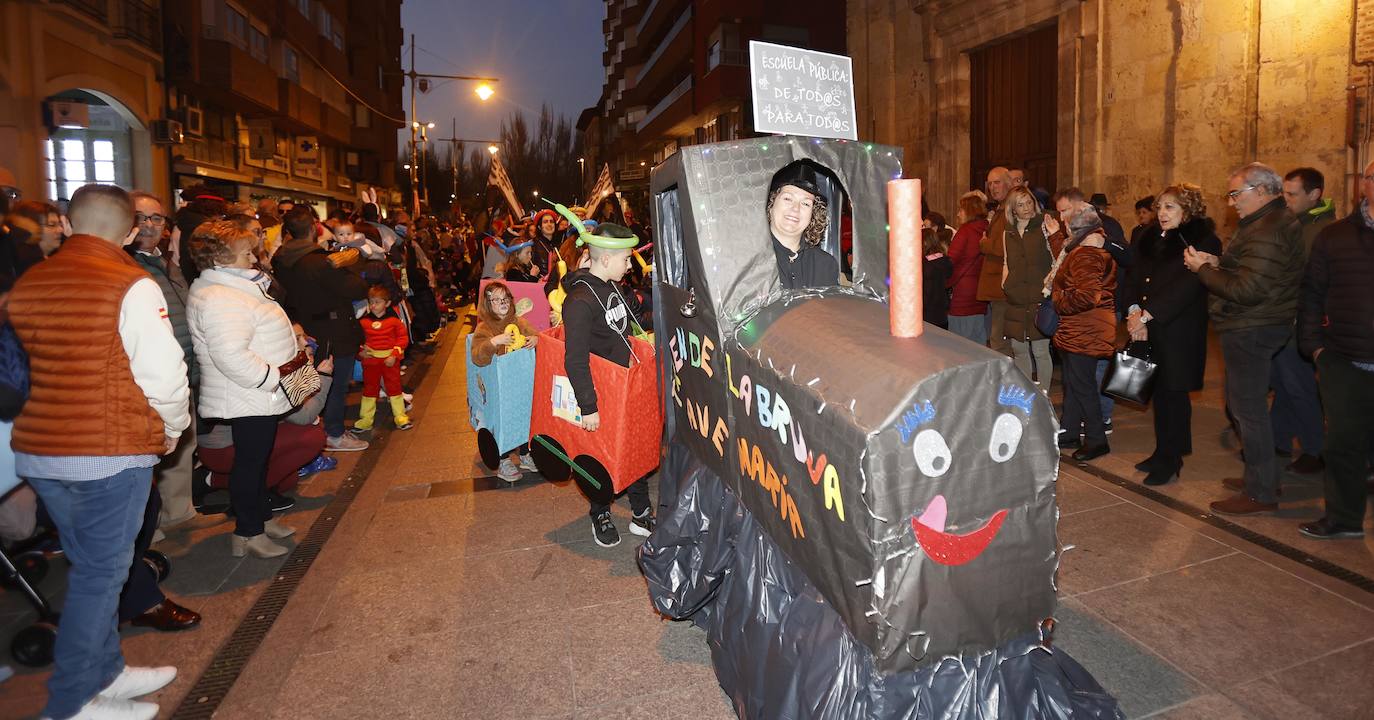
598 320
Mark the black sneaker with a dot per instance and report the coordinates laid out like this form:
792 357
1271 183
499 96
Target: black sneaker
643 525
603 530
1107 426
278 502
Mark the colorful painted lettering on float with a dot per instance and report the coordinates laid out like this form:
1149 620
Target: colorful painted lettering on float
774 449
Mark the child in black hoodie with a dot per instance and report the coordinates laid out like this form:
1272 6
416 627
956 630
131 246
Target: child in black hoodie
598 319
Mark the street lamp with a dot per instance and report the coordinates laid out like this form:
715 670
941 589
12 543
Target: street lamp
492 149
582 174
484 92
536 194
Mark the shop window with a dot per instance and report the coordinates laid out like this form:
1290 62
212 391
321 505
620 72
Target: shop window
76 161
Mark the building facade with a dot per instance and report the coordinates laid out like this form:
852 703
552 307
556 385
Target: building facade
1121 97
295 99
677 73
80 95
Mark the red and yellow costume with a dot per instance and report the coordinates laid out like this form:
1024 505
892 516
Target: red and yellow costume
384 337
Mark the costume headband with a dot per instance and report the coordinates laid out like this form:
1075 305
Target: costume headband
585 236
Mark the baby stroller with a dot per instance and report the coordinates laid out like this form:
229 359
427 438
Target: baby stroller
23 570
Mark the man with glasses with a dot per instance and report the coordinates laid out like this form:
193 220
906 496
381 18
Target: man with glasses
1254 288
173 472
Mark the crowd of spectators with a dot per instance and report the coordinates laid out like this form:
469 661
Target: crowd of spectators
144 363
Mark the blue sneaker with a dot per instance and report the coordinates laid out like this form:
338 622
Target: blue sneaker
321 463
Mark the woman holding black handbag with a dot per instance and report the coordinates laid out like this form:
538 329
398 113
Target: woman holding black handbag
1083 293
1168 307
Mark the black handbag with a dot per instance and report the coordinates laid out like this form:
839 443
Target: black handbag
1130 378
1047 318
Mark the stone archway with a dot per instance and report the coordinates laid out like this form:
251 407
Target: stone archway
102 139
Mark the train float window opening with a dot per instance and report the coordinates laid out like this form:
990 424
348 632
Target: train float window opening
670 260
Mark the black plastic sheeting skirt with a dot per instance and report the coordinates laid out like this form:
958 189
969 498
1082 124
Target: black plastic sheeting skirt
779 649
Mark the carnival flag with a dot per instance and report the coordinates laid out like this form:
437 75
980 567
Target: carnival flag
501 180
601 190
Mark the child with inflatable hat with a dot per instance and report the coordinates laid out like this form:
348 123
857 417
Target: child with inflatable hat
598 319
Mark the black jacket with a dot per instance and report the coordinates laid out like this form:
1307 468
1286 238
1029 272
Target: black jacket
934 275
598 319
1336 305
1176 300
1256 282
810 267
320 296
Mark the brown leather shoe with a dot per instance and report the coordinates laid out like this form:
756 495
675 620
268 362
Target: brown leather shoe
167 616
1238 485
1242 504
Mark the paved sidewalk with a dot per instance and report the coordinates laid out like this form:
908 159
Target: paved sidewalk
443 593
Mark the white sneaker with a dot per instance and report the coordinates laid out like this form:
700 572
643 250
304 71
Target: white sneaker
527 463
103 708
508 471
139 681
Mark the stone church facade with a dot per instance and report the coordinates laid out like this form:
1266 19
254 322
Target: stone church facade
1144 92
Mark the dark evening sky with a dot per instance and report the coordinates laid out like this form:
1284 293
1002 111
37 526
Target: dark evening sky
541 50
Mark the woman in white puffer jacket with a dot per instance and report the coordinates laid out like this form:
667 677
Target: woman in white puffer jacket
242 337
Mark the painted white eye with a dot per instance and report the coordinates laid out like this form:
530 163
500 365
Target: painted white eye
932 454
1006 436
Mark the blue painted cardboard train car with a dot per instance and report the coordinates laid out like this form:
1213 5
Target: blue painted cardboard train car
500 397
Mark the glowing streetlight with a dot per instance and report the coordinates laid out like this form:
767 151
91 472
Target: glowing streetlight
484 92
492 149
429 126
536 193
407 166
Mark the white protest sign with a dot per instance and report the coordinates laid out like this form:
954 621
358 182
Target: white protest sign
802 92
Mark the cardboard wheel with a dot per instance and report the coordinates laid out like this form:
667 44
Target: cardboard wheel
603 495
550 465
486 447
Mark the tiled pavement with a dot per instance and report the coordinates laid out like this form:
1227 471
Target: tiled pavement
443 595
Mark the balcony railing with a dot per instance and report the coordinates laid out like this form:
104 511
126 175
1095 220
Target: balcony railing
735 58
667 101
97 9
667 41
139 21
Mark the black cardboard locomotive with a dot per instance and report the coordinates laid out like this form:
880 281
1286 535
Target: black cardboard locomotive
863 524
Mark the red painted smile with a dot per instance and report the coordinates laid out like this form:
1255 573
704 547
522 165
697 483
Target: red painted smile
946 548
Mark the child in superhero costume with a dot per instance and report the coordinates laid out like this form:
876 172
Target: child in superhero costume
384 344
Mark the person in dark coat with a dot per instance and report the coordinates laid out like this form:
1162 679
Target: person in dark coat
320 297
968 314
935 273
1168 307
1336 328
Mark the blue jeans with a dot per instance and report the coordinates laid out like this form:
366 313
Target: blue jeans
336 402
1108 404
1297 409
97 520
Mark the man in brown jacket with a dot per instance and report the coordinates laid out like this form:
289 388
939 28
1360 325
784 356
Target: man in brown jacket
108 397
1254 288
990 279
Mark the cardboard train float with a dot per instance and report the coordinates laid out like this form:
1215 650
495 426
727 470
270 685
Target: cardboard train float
863 524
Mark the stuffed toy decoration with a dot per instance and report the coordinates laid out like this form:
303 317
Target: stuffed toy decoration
518 338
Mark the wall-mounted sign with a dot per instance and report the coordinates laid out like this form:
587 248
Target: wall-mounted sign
802 92
261 143
69 114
